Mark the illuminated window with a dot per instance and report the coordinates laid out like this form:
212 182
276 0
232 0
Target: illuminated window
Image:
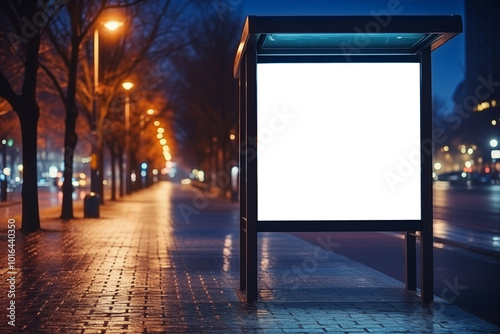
482 106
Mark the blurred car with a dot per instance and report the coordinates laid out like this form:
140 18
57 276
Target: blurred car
454 177
463 178
481 178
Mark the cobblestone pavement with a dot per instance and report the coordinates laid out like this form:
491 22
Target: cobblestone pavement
165 260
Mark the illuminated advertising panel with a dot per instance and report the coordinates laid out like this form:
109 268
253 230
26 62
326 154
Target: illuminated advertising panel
338 141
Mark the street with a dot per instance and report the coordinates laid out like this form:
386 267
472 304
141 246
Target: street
466 252
147 267
466 248
468 215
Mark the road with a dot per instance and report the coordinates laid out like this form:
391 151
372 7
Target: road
468 215
466 248
466 253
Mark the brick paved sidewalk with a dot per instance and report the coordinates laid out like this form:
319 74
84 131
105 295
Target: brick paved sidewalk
165 260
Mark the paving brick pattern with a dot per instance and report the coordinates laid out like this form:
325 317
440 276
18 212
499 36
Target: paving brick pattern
165 260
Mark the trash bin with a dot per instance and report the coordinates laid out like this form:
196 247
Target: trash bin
91 204
3 190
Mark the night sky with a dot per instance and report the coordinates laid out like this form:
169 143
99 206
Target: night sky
447 61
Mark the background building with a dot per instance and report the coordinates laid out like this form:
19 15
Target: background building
477 98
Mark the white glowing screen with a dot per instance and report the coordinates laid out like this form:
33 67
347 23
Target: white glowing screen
338 141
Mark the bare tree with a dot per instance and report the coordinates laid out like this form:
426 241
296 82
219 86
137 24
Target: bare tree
205 94
20 35
66 34
145 147
147 23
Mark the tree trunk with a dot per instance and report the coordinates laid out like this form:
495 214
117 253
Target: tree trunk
70 141
120 171
70 136
27 109
226 167
100 159
29 122
112 154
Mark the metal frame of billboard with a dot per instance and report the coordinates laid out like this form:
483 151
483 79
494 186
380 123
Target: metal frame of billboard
336 39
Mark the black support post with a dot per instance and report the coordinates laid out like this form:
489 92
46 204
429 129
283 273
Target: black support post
243 175
410 261
251 242
426 242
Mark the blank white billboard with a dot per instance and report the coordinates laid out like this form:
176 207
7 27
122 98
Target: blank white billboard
338 141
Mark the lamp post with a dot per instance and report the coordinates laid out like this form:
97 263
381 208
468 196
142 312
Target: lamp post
111 25
92 201
127 85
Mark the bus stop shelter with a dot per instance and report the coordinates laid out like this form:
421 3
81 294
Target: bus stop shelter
336 131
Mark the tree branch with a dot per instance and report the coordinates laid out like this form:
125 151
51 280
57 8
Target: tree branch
59 50
53 78
7 92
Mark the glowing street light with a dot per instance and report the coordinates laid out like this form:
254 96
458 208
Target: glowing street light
150 112
111 25
127 85
493 143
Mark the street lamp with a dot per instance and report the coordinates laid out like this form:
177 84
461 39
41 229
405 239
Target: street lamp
110 25
92 201
127 85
